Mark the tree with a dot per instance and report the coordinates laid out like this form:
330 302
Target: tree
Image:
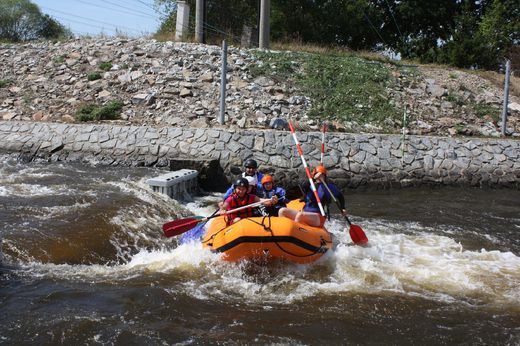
21 20
422 24
50 28
483 35
223 19
464 33
500 28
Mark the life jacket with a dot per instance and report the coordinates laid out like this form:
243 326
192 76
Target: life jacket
235 202
311 204
282 200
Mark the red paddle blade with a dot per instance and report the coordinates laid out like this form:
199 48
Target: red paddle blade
177 227
357 235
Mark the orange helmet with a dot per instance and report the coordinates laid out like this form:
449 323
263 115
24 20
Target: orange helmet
319 169
267 179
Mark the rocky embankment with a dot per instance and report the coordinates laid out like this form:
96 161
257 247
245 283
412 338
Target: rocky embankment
178 85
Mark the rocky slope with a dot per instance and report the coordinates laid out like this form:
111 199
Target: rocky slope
178 84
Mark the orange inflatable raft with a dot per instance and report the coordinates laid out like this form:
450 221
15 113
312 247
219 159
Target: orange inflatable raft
266 239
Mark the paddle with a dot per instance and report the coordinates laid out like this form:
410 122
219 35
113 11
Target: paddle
304 163
177 227
323 131
356 233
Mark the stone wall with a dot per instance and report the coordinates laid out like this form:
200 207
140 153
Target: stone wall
353 159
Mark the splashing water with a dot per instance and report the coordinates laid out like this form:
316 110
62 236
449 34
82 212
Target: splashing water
100 230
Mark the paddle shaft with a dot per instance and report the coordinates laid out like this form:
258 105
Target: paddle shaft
335 199
180 226
252 205
323 131
313 187
356 233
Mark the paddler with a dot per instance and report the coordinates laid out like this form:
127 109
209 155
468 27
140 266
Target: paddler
311 213
250 170
239 198
269 189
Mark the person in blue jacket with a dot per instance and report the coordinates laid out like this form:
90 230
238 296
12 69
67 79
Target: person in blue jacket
311 213
269 190
250 170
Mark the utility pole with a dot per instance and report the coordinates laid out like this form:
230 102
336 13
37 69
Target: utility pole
506 97
223 79
183 20
199 21
265 9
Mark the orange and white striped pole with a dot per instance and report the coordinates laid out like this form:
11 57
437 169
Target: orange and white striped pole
323 130
313 187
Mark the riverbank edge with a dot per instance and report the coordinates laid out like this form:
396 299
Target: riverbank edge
353 160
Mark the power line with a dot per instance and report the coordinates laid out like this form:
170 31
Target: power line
146 5
128 8
374 28
89 19
143 4
93 25
112 9
395 21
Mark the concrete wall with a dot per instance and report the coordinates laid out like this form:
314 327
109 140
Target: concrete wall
353 159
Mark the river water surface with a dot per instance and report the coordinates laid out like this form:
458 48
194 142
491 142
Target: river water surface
83 260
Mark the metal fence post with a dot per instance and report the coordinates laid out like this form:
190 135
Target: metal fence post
223 74
506 97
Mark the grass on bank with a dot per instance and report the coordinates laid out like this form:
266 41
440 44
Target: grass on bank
93 112
341 86
498 80
5 83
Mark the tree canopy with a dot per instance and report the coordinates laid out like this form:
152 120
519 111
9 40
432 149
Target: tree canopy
22 20
464 33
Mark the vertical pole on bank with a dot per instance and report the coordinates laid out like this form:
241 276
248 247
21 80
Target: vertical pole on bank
199 21
223 74
403 135
264 29
506 97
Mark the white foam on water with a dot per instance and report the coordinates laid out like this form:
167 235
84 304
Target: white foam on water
45 213
31 190
141 190
168 261
426 265
204 206
401 258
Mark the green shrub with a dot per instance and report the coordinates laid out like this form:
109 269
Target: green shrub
455 99
483 109
105 66
59 59
93 76
93 112
4 82
341 87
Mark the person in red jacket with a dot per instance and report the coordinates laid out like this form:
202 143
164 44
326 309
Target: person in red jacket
239 198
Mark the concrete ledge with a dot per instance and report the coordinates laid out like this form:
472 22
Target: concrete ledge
353 160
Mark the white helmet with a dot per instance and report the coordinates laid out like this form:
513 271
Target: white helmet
251 180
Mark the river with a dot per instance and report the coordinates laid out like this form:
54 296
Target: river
84 261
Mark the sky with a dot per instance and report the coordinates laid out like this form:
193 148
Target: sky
103 17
